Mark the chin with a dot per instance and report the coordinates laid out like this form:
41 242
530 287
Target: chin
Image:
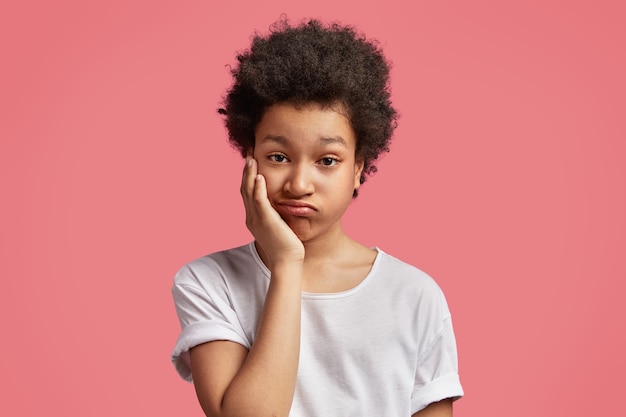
303 235
302 231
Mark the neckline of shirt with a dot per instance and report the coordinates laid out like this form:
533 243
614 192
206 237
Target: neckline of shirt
324 296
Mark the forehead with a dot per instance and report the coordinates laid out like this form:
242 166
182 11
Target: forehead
288 124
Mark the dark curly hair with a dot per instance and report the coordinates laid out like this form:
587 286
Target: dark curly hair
312 62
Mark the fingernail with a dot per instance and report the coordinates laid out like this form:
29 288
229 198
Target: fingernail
249 161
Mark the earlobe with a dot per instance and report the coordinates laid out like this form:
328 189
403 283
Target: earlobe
358 170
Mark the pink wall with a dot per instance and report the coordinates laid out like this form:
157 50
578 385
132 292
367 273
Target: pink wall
506 182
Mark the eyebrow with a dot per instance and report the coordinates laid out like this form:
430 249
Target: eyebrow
330 140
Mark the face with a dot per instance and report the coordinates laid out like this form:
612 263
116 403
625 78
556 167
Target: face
307 156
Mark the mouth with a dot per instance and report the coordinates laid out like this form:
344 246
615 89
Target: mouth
295 208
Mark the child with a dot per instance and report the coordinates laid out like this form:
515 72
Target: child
305 321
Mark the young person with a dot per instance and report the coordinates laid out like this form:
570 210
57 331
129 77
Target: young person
305 321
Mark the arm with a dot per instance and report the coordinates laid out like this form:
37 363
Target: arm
229 380
442 408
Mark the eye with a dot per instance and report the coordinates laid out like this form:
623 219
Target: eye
277 158
328 161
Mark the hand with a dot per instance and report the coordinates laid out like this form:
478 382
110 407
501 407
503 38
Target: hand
277 241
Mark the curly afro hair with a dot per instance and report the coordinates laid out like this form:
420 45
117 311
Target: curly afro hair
312 62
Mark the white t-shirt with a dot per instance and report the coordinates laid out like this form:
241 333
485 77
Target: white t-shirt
383 348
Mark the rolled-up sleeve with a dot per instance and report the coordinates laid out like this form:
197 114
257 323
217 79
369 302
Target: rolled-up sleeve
205 313
437 376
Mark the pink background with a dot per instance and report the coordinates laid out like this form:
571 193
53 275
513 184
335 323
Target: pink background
506 182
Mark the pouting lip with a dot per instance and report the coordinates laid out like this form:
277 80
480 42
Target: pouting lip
295 203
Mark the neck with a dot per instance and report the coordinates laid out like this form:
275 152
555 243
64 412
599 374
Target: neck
331 245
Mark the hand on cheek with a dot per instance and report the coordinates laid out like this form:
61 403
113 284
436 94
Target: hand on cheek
278 242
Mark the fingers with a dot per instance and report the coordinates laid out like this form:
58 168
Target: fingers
247 181
260 195
247 189
254 194
253 186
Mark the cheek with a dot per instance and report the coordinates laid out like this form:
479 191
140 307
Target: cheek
272 180
340 186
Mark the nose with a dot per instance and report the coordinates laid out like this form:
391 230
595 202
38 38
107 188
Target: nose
300 181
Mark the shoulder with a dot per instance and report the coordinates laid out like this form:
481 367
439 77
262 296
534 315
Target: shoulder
217 264
407 274
410 286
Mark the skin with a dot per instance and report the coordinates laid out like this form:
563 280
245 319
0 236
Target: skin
297 183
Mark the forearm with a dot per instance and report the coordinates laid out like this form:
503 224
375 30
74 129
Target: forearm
266 380
442 408
259 382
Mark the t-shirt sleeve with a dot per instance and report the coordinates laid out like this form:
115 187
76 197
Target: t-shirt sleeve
437 376
205 313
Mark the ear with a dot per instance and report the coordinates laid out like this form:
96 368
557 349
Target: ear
359 163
